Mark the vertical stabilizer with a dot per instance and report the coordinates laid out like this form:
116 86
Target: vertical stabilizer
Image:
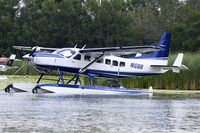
177 66
12 57
178 61
164 44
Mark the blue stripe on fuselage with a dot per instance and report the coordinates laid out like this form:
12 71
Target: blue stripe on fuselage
98 73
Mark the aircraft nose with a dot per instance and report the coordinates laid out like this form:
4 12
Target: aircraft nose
27 56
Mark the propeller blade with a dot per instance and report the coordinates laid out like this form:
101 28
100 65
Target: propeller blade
34 49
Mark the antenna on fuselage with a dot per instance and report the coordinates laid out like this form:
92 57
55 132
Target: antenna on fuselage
83 46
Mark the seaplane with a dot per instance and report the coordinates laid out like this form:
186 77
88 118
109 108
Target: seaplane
6 64
108 63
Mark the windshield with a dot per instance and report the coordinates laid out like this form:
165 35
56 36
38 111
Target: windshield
66 53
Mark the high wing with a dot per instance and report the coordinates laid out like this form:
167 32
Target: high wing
32 48
107 50
120 50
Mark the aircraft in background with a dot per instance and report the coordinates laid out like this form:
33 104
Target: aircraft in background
108 62
6 63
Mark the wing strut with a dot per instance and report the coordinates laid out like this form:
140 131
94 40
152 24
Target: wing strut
84 68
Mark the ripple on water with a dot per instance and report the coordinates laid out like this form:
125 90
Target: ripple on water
24 112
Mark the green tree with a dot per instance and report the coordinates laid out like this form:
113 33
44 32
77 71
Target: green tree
8 26
186 29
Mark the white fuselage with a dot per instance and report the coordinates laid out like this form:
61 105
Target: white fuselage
109 66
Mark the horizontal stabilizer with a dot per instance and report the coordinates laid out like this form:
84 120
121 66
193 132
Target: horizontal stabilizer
165 67
176 67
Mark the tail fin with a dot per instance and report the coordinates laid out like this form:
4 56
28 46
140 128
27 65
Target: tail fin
177 66
178 60
164 43
12 57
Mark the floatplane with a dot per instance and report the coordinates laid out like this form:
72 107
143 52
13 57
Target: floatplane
108 62
6 64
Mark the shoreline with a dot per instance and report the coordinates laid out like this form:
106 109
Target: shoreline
160 91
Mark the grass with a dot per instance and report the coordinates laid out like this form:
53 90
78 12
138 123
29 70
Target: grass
185 80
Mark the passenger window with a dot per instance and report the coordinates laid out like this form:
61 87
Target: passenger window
122 64
87 58
100 60
108 62
115 63
77 57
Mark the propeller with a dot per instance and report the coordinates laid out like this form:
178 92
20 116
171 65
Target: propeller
34 49
25 55
28 57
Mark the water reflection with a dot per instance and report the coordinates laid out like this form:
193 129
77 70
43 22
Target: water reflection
24 112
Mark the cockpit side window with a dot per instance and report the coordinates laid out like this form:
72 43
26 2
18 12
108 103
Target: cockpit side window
77 57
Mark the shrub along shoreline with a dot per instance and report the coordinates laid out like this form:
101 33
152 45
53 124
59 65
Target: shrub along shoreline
185 80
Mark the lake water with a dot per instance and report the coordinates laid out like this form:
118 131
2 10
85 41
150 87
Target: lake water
26 112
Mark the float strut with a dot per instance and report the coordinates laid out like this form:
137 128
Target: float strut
60 77
77 79
42 74
71 79
91 81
